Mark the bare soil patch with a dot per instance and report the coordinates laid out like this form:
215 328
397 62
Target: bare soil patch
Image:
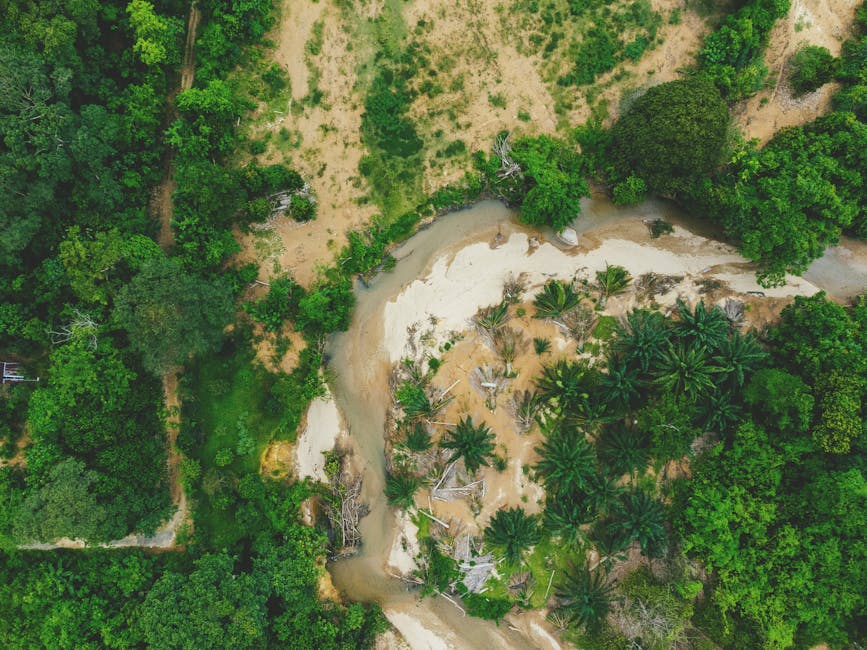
810 22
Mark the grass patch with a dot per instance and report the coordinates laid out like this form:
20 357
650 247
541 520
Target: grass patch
548 555
229 417
604 329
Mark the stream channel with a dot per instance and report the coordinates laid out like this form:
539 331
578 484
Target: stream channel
361 368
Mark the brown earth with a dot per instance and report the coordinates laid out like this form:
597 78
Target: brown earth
475 55
810 22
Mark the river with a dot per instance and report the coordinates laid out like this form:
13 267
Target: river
361 368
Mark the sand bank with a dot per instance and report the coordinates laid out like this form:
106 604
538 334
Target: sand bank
460 282
324 425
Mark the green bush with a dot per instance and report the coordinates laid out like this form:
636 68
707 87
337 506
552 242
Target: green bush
492 609
632 191
811 67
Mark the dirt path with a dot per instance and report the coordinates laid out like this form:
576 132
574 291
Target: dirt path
166 534
162 207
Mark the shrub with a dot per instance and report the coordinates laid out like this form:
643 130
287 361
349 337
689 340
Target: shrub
630 192
811 66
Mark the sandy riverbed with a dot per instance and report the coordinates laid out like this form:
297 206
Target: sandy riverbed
472 276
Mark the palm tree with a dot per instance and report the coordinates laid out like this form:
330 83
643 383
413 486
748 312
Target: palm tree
602 492
416 403
525 407
589 413
685 369
541 345
400 489
609 543
739 356
701 327
475 444
513 531
641 518
620 386
565 514
555 299
490 319
624 450
418 438
720 412
642 338
566 383
612 280
584 596
567 462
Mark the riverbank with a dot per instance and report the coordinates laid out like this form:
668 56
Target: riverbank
445 273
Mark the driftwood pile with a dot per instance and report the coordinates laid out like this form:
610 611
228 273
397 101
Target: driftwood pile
345 510
453 485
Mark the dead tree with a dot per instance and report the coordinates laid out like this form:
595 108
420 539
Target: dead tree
734 311
82 326
525 406
509 344
502 150
577 323
489 382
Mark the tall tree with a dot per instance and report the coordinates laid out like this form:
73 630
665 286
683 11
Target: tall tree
171 315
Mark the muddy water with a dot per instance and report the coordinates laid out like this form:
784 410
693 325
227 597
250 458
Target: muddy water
360 388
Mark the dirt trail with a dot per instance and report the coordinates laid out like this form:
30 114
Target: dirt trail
162 207
166 534
188 67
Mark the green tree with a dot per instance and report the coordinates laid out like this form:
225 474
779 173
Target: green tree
156 37
672 136
553 182
326 308
64 506
816 337
789 200
632 191
584 597
88 262
475 444
96 409
780 400
669 420
213 606
811 66
567 462
171 315
513 531
840 421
